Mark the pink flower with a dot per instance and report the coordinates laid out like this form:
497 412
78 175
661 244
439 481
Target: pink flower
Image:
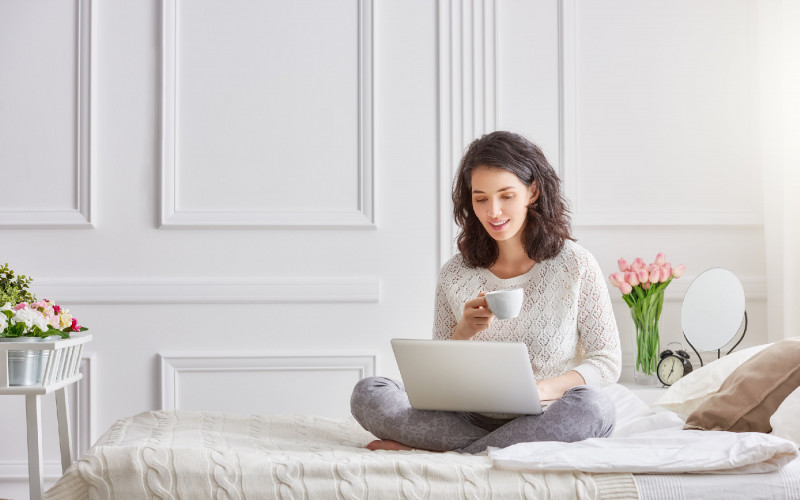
637 264
643 276
660 259
625 288
631 278
75 327
623 265
655 275
616 278
21 305
56 309
678 271
665 274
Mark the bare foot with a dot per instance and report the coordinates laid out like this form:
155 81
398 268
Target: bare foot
386 444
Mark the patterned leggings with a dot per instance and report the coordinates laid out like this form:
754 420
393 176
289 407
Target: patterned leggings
381 406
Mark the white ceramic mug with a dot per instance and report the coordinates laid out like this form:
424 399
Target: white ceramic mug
505 304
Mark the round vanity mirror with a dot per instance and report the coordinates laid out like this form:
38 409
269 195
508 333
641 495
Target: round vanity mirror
713 309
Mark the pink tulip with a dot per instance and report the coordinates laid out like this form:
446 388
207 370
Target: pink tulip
637 265
646 286
678 271
616 278
623 265
643 276
655 275
625 288
631 278
665 274
660 259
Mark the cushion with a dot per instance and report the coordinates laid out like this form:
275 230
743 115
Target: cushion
685 395
752 393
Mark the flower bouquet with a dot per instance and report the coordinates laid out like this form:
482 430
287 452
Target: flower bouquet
642 286
21 315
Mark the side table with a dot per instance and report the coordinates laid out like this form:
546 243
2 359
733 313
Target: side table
60 371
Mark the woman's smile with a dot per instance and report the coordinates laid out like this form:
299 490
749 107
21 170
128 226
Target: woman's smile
499 225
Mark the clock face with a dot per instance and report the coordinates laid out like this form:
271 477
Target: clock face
670 369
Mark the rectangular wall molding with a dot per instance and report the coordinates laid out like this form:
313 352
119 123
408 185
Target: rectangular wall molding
262 381
571 165
80 215
174 216
211 291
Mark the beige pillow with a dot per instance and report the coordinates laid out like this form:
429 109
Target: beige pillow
752 392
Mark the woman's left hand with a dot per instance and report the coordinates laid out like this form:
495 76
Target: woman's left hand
555 387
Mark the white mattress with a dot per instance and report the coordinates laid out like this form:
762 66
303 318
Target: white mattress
783 484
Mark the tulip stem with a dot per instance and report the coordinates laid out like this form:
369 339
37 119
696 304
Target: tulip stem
645 309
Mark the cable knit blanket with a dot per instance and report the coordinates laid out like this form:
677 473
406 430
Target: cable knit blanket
191 455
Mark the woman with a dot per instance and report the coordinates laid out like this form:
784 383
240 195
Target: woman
515 232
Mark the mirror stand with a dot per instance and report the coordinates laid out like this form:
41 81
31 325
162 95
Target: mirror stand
718 350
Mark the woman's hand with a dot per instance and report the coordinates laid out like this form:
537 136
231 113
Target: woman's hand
476 318
553 388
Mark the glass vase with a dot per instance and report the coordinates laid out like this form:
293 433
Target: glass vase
645 314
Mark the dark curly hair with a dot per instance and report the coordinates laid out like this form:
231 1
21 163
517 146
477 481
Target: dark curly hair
548 223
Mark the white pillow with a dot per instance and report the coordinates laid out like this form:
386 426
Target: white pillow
784 421
685 395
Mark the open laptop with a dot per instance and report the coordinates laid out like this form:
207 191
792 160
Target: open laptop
467 375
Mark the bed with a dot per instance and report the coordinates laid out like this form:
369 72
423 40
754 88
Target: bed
193 454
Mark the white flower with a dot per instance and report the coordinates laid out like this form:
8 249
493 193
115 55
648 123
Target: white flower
24 316
6 307
40 321
3 322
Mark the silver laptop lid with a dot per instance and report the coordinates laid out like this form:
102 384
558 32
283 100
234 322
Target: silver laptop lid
467 375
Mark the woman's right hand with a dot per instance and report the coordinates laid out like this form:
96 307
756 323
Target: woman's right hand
476 318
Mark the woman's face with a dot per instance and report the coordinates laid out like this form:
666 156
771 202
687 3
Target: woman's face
500 200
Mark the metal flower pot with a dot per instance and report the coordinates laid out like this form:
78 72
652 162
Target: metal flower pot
26 367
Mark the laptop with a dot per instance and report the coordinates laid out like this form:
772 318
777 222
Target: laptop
467 375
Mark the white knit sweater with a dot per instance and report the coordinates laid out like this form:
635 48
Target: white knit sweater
566 320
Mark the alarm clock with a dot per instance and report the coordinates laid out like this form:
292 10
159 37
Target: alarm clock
673 365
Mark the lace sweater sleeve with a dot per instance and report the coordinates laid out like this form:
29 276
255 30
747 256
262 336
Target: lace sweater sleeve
597 329
444 319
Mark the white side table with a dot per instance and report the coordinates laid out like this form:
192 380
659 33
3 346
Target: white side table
62 370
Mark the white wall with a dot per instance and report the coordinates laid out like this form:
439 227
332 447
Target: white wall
245 200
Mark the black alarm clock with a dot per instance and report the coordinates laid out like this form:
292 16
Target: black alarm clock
673 365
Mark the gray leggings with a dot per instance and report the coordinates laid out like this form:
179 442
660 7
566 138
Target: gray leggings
381 406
